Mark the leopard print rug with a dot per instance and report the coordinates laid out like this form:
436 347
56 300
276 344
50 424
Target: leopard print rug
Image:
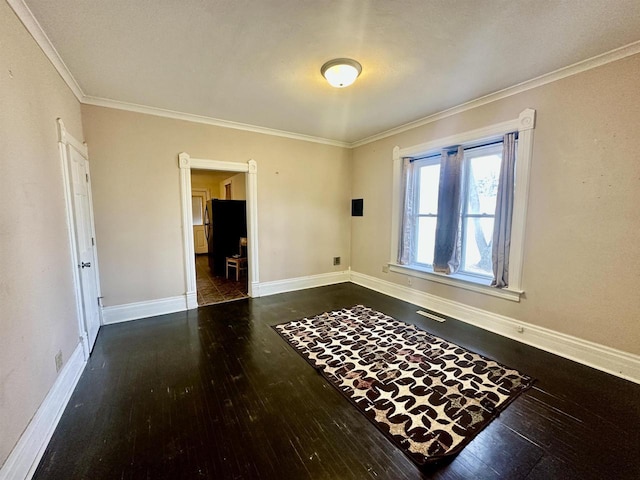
428 395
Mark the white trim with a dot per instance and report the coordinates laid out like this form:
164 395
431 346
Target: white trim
35 29
187 227
300 283
65 137
208 164
524 124
616 362
564 72
192 300
521 198
66 141
203 191
162 306
186 163
432 316
451 280
568 71
218 122
25 456
150 308
73 250
396 204
251 188
94 236
435 146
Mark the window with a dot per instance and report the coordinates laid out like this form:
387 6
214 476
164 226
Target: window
477 179
428 178
481 170
197 207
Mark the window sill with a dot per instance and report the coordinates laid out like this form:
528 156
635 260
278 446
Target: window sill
466 282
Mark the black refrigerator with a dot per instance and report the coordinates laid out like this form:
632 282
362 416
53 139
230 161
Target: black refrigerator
225 223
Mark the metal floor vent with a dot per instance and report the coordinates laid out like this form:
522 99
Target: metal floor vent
431 316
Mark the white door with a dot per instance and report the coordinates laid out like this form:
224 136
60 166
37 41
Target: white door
198 202
83 223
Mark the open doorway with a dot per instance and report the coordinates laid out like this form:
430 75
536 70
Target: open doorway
219 212
186 163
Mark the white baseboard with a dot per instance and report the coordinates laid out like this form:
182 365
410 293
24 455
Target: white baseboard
300 283
254 289
622 364
192 300
162 306
616 362
24 458
150 308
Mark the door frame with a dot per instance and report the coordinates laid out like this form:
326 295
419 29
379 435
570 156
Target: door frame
186 163
65 142
203 192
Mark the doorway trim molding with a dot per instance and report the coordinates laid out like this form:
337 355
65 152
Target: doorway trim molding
65 142
186 163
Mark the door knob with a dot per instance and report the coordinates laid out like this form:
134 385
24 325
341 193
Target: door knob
85 265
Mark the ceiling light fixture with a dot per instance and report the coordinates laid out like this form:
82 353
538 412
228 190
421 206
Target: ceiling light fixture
341 72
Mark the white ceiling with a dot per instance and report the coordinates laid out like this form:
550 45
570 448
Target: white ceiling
258 62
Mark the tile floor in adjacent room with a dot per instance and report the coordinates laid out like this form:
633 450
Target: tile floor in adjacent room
215 289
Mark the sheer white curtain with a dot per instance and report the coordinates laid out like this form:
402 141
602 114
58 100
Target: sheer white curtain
504 212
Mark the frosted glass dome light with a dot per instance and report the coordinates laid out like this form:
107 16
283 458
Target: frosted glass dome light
341 72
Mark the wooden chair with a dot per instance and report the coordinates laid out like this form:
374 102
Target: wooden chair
239 261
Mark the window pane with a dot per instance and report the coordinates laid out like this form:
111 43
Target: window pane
483 172
196 210
425 240
476 246
429 180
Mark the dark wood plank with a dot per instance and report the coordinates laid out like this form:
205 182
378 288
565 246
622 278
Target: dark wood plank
216 393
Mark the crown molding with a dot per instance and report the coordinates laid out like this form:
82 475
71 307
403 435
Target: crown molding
189 117
574 69
35 29
579 67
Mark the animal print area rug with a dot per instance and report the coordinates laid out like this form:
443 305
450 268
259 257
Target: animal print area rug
429 396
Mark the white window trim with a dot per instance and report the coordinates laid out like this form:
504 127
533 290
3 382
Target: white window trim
458 280
524 125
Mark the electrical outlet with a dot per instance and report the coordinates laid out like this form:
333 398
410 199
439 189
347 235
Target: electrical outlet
385 269
336 260
58 360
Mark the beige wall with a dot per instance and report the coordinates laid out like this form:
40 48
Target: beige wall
582 261
209 180
37 306
238 187
303 200
214 181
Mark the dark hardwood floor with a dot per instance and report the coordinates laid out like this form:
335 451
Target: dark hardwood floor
216 393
